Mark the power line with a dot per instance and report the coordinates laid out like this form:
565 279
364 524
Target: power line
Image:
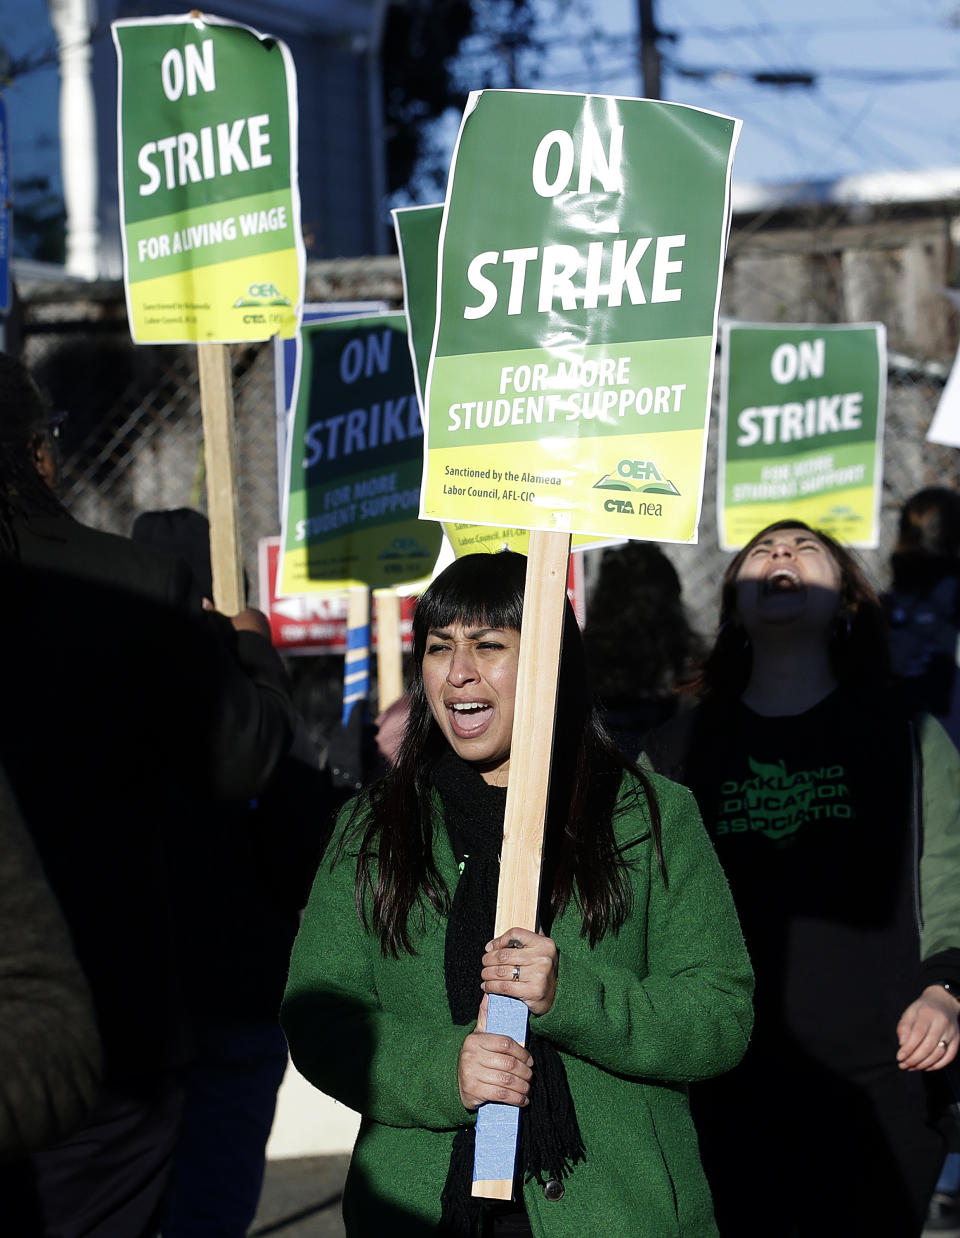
850 25
806 81
812 77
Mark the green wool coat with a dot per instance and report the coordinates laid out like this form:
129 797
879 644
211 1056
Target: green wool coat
663 1002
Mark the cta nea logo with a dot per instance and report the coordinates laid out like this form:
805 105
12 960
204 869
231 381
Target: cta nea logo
636 477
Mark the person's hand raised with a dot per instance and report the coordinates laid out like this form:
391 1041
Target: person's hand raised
246 620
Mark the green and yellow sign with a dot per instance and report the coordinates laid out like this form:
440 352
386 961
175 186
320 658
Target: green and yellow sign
570 374
418 237
354 461
801 429
209 204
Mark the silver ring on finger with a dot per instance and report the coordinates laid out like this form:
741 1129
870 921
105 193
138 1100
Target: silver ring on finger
942 1044
515 975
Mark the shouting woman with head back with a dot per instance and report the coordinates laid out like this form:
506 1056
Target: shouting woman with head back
836 820
637 984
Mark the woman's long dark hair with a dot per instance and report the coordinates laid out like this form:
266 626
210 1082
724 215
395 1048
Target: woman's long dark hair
928 541
582 861
930 524
638 640
858 644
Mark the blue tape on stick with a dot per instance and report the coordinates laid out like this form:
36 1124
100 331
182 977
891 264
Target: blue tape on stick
356 669
358 638
495 1154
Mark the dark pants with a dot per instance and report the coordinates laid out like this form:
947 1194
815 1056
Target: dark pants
803 1152
106 1181
230 1097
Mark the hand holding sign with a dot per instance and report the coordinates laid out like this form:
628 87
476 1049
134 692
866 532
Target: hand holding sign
568 387
207 141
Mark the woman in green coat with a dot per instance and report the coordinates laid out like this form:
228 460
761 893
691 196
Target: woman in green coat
637 985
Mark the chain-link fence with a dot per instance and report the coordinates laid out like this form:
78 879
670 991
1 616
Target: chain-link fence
133 439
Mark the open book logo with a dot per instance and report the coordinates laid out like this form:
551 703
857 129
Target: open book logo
637 476
261 294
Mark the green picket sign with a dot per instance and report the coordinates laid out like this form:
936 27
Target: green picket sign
801 429
570 373
209 202
354 460
418 238
417 230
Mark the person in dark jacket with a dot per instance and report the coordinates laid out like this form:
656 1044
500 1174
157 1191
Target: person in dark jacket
837 821
49 1044
119 701
241 872
923 606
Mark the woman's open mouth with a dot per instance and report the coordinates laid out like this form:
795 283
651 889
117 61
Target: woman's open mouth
783 580
469 718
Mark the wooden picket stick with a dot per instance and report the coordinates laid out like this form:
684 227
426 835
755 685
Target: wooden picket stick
220 464
389 648
523 823
356 665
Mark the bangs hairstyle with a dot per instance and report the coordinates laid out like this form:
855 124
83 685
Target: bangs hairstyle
483 590
397 874
858 645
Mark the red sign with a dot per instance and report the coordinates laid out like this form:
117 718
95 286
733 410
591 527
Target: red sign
313 622
575 590
317 622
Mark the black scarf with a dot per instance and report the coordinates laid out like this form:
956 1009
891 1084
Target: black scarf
550 1142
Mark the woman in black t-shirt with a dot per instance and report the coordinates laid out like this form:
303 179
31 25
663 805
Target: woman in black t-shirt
806 778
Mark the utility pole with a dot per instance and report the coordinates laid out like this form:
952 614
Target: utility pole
649 50
72 22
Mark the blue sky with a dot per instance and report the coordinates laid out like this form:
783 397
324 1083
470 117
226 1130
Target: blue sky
886 95
887 90
32 100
